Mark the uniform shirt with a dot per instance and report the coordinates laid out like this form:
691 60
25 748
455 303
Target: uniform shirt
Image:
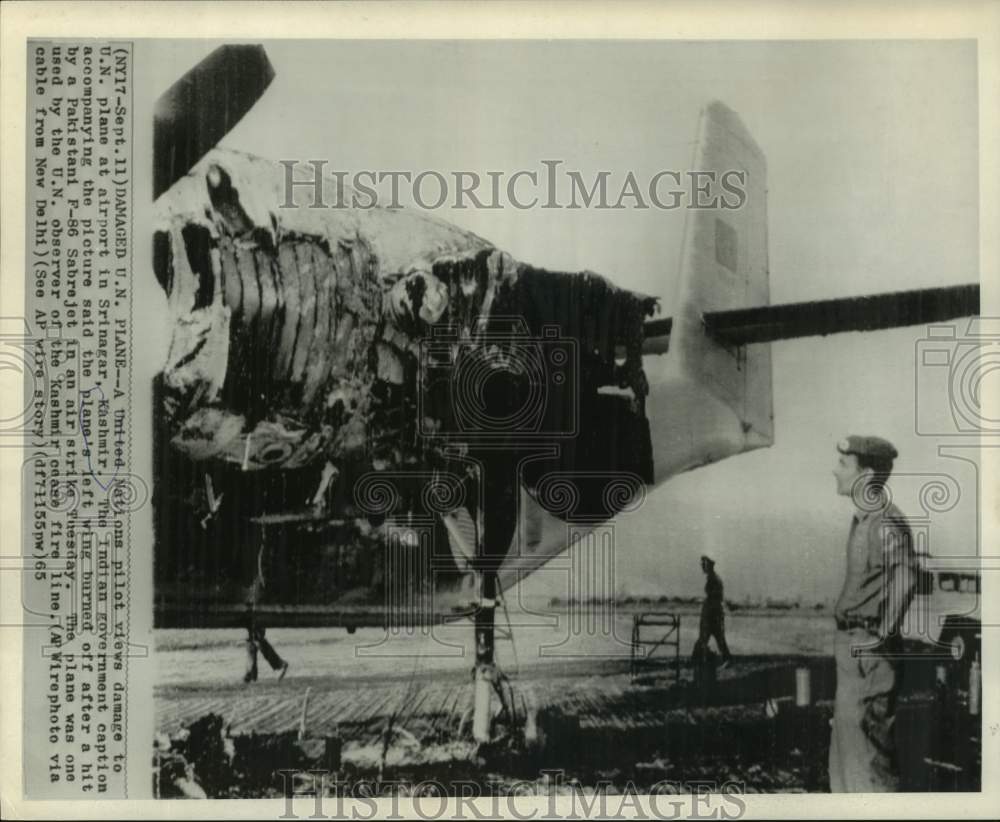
713 590
881 569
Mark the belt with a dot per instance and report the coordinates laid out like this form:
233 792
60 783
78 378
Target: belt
870 624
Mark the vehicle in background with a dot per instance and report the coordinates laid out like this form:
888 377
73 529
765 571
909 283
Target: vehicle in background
945 617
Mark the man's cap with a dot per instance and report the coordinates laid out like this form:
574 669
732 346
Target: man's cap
709 560
872 447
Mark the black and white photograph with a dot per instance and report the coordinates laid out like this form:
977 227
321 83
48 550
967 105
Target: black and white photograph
433 354
579 426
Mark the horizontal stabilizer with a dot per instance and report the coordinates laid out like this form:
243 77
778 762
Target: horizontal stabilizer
874 312
877 311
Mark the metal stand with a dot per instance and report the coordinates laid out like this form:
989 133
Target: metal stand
670 638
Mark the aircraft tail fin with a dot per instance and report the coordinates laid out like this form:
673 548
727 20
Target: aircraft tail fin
710 399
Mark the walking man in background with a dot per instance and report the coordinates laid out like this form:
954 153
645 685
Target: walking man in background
879 584
256 640
256 633
712 615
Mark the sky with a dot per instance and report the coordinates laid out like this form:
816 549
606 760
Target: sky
872 186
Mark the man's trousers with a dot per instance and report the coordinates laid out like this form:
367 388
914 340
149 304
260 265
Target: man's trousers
862 745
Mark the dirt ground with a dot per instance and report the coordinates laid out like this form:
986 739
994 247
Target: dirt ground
545 643
399 707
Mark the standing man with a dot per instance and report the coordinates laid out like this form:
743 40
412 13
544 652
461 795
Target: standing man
878 586
712 615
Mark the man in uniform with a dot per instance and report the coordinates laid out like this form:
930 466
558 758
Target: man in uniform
712 615
257 640
256 633
878 586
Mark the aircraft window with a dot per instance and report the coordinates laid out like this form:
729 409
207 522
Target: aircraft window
970 585
948 582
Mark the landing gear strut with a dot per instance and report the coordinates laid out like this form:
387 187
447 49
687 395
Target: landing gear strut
485 671
498 519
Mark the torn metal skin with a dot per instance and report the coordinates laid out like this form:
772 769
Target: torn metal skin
297 331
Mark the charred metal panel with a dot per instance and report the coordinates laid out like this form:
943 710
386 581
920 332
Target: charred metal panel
297 344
